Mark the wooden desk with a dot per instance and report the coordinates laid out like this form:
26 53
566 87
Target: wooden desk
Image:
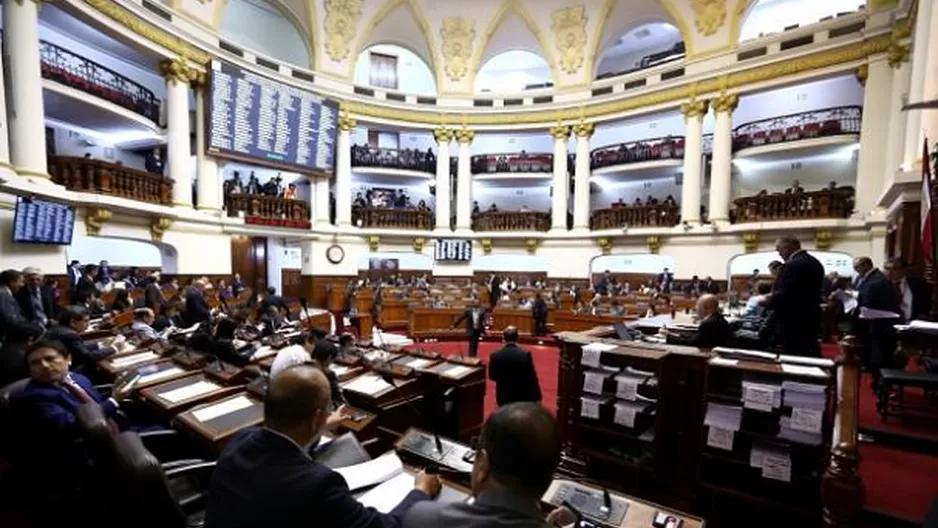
162 371
217 429
567 321
202 389
363 324
640 514
119 363
468 400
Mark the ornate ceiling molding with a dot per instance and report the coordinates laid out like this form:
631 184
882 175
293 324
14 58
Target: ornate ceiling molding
458 36
340 27
418 14
570 38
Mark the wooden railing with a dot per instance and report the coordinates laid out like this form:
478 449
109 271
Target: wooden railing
794 127
841 487
381 218
268 210
511 221
101 177
635 216
64 67
407 159
828 203
671 147
512 162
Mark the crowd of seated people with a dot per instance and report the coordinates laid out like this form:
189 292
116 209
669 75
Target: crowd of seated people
274 187
638 151
820 124
398 199
794 200
408 159
520 162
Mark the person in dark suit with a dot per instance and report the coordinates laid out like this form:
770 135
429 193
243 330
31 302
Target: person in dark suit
878 336
914 292
512 370
265 476
495 290
36 300
103 276
86 288
796 300
73 321
197 310
272 299
519 449
152 294
712 329
15 330
474 318
169 317
74 275
539 313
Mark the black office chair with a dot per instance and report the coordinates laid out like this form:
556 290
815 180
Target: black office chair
153 498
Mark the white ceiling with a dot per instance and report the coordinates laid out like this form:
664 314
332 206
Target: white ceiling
772 16
88 116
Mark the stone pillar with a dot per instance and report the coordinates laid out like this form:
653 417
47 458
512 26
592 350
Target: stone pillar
920 71
694 112
343 173
6 168
895 137
871 166
561 183
581 177
721 168
178 75
464 181
24 104
443 137
320 195
208 175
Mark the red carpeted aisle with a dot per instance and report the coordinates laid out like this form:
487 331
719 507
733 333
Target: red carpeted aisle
545 362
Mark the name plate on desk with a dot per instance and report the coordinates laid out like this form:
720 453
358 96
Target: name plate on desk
222 408
187 392
160 373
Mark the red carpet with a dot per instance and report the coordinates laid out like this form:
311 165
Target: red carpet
546 362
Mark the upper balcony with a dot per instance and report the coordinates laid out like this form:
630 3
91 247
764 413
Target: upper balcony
646 153
113 179
806 128
513 165
405 162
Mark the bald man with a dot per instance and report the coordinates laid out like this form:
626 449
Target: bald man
796 300
712 328
265 476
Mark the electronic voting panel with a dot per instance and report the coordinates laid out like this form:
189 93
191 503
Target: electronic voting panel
588 501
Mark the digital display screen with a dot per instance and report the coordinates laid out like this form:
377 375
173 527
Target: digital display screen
41 222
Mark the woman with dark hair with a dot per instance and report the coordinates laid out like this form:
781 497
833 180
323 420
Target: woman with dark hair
122 301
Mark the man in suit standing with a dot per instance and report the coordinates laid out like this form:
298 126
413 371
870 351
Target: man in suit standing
914 292
36 300
197 310
15 330
519 449
74 275
875 292
86 288
474 318
265 476
495 290
539 313
152 293
796 299
272 299
512 370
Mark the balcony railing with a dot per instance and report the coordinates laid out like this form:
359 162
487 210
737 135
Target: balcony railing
381 218
513 162
511 221
65 67
794 127
828 203
100 177
635 216
261 209
671 147
385 158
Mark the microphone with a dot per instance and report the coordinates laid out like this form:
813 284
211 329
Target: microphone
606 508
389 379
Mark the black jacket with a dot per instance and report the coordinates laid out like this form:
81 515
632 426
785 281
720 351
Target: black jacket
921 297
84 289
714 331
197 310
512 370
472 329
796 295
152 295
47 296
84 355
264 480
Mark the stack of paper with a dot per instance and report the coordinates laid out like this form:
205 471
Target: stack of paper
593 379
761 396
722 422
590 405
748 355
385 497
774 463
807 402
593 352
376 471
626 411
368 384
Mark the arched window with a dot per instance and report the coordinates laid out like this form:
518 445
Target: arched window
772 16
262 27
641 47
513 71
394 68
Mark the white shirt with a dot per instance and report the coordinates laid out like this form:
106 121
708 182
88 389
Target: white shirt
288 357
905 303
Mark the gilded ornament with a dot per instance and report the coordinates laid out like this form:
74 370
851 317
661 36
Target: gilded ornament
464 135
458 34
823 239
158 227
178 70
560 132
654 244
584 130
531 245
418 244
373 242
443 135
605 244
898 54
709 15
725 103
862 72
569 26
95 219
346 124
341 26
694 108
750 241
486 245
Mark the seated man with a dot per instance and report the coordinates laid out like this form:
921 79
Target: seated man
755 306
265 476
712 328
143 318
515 462
73 321
512 370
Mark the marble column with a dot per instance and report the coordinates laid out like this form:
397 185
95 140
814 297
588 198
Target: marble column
464 180
443 137
321 199
178 75
895 137
581 177
914 133
6 168
343 172
24 104
208 174
871 165
694 112
721 168
561 182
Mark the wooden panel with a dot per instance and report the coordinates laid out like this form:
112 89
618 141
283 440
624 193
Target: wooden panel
249 258
291 284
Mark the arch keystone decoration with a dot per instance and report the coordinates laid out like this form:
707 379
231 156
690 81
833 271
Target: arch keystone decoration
458 35
569 27
340 26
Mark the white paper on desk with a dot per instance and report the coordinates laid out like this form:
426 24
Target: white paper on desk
223 408
339 370
777 466
163 374
263 352
418 363
189 391
799 370
723 362
807 420
376 471
871 314
593 381
457 371
369 384
626 413
386 496
189 330
802 360
590 357
134 359
720 438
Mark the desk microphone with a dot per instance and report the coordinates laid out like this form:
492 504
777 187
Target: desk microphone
606 508
389 379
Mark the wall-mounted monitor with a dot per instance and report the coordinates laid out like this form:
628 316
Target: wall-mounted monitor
42 222
255 119
449 250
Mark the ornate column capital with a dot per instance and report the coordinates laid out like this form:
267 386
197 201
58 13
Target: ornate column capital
725 103
464 135
178 70
560 132
863 71
695 108
584 130
37 2
346 124
443 135
898 54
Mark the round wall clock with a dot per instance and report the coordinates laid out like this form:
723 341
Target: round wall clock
335 253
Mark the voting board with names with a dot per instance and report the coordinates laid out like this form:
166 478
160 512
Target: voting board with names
251 116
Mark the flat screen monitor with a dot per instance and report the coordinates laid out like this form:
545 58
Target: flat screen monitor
42 222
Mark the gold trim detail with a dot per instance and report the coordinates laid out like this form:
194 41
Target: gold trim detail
347 124
654 244
486 245
373 242
725 103
418 244
709 15
178 70
443 135
569 27
605 244
695 108
340 26
898 54
750 241
560 132
464 135
531 245
158 227
458 35
95 218
823 239
584 130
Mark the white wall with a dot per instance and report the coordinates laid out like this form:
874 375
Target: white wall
771 16
511 143
837 261
632 263
69 142
280 256
814 172
804 97
645 127
118 252
510 263
259 26
511 71
536 196
413 74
